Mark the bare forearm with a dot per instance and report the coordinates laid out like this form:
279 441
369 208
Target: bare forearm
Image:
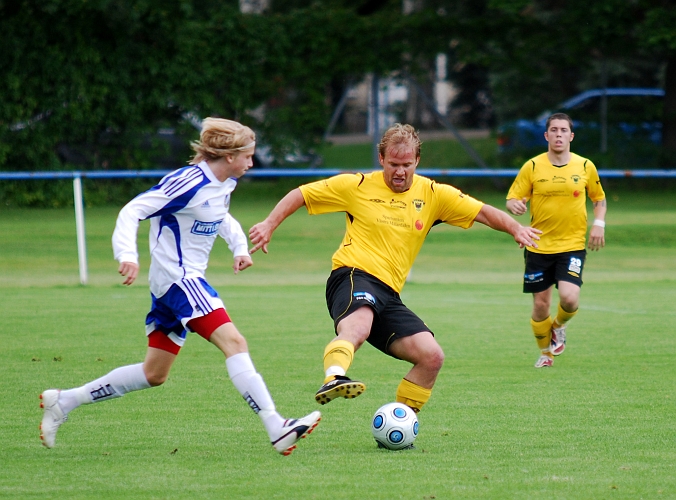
600 208
261 233
500 221
497 219
286 206
597 233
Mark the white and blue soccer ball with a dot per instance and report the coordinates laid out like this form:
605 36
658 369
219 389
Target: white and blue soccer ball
394 426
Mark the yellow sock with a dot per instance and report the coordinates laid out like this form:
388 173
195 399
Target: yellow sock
412 395
543 334
338 356
563 317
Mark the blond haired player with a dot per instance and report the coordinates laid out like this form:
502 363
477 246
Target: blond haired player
188 209
556 183
388 214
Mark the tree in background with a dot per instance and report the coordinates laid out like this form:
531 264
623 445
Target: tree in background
540 52
92 82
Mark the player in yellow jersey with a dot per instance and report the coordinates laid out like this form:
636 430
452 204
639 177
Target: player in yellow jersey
388 214
555 183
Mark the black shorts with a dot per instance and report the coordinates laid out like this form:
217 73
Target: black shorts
348 289
544 270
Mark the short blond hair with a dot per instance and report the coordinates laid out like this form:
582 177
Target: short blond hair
400 134
220 137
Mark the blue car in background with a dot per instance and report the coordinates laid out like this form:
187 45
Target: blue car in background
633 114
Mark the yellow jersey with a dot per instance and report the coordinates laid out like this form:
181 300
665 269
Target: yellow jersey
385 230
558 203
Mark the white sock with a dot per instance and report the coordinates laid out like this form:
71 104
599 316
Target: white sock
254 391
335 370
112 385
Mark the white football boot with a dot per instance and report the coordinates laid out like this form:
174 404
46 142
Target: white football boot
544 361
293 430
558 340
52 418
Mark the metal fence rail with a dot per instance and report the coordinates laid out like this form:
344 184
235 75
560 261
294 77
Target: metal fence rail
269 173
320 172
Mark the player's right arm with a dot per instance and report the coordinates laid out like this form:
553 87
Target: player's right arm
517 207
519 192
124 236
162 199
129 270
261 233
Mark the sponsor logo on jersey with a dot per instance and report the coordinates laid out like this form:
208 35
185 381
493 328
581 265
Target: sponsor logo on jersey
542 180
103 392
205 204
206 228
393 221
556 192
397 204
576 193
558 179
364 296
419 225
533 277
377 200
418 204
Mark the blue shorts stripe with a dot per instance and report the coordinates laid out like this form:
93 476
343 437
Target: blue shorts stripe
198 297
185 300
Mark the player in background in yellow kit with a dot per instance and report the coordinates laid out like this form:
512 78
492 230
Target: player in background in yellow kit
555 183
388 214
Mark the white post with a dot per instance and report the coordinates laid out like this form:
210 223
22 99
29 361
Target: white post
253 6
441 87
80 227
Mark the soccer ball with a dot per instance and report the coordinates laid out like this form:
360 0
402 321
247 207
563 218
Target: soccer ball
394 426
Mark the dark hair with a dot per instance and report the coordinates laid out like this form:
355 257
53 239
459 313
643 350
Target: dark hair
559 116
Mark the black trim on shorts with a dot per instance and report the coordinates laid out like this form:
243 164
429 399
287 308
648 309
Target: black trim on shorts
349 288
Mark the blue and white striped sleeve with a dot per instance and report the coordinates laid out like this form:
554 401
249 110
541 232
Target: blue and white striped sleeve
172 194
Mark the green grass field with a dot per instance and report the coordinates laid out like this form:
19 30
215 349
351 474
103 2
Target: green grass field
600 424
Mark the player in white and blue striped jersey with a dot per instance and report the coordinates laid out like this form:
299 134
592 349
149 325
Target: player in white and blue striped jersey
188 209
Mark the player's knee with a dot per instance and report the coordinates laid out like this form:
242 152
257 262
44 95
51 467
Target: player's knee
569 305
155 379
433 360
228 339
239 343
541 304
569 300
436 360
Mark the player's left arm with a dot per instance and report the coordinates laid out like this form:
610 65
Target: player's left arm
231 231
126 229
501 221
597 238
597 234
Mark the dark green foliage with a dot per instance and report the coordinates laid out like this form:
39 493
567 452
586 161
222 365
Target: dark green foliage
90 83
